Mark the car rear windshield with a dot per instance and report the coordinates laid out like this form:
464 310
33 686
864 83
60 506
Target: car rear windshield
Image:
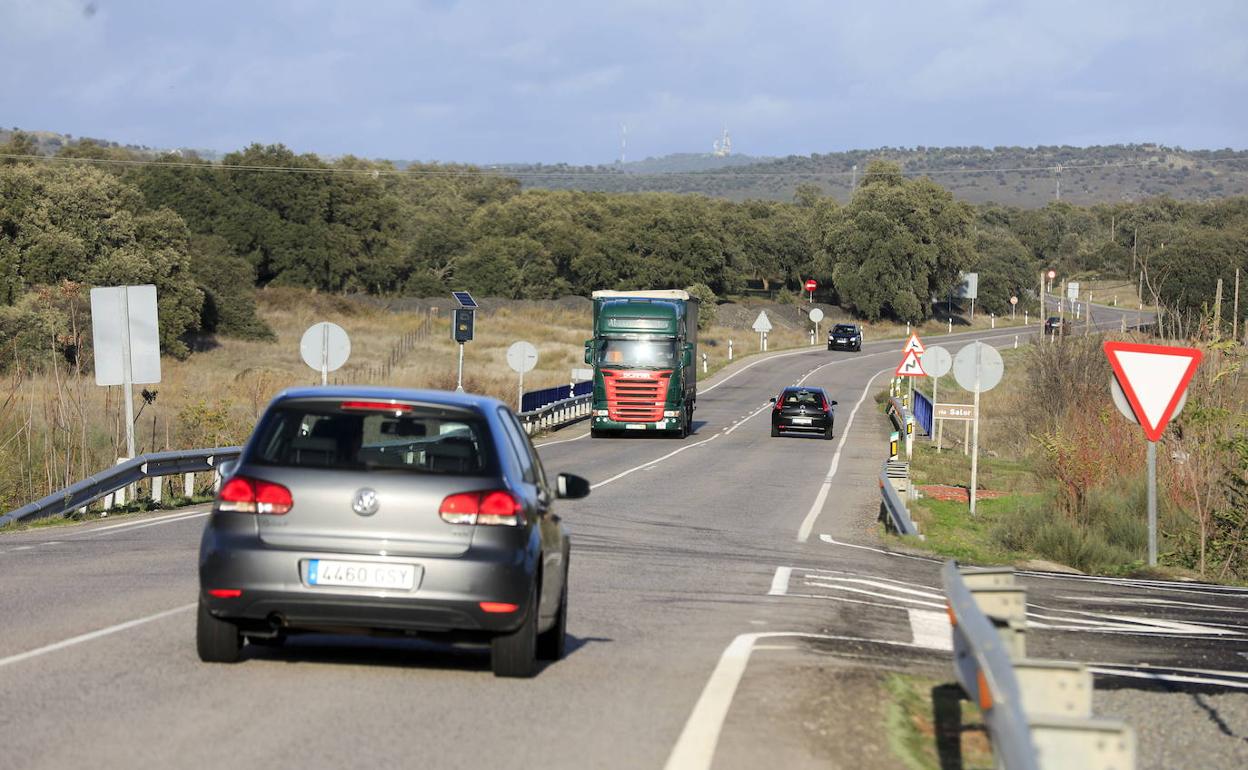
803 398
346 436
844 329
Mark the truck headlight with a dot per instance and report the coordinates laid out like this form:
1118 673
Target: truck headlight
671 413
600 413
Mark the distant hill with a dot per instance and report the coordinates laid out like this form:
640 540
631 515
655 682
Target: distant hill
50 143
1019 176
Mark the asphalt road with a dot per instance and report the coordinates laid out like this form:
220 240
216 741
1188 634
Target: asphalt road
732 605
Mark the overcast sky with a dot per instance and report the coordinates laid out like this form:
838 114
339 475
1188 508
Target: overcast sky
554 80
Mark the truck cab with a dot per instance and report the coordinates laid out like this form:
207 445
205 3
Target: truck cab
643 352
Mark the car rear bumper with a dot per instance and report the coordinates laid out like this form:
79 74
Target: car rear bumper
817 424
446 597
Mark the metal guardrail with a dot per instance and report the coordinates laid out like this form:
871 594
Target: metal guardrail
894 482
1038 712
120 476
558 414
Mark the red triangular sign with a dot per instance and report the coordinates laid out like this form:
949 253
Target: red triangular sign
910 366
1153 378
915 344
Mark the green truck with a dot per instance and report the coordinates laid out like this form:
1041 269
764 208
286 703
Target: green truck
644 354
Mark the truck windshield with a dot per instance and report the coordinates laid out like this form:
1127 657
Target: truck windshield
655 354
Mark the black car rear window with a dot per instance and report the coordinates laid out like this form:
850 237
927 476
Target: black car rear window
803 398
844 329
362 436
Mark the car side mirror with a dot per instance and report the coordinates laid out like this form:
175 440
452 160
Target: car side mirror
773 399
589 351
571 487
687 354
227 467
831 403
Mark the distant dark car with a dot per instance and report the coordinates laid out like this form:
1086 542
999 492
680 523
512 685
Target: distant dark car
1054 325
845 337
381 511
802 410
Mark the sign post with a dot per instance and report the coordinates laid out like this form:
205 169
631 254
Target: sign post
1150 387
325 347
522 357
937 362
977 368
125 332
762 325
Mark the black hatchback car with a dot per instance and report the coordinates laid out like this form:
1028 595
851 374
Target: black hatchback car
382 511
802 410
845 337
1054 325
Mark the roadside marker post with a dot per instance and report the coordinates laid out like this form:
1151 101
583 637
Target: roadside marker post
1150 387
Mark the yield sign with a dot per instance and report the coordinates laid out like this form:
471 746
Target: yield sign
1154 379
914 344
910 366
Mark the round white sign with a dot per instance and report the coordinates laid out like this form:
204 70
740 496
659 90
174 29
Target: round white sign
325 345
936 361
981 357
816 314
1124 406
522 357
1013 300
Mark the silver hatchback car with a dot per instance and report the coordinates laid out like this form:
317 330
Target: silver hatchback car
388 512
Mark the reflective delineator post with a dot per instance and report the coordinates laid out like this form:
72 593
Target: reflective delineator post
729 350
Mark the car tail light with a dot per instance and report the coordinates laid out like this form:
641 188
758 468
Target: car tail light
497 607
245 495
497 508
780 402
225 593
824 399
376 406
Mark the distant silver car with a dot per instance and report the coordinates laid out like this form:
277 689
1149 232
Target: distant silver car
385 511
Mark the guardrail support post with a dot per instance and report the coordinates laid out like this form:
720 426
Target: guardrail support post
158 489
1004 604
1089 744
188 485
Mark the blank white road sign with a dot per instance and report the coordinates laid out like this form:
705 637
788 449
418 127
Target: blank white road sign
325 344
990 366
936 361
123 318
522 356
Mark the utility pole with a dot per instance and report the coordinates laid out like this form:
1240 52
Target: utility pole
1058 191
1135 241
1217 312
1235 312
853 184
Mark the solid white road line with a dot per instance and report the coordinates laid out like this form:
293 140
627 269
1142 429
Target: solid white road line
1180 678
695 748
831 541
651 463
73 640
931 629
803 534
780 581
562 441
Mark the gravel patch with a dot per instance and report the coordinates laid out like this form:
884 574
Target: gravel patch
1196 729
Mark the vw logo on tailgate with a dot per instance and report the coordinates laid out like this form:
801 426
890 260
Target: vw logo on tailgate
365 502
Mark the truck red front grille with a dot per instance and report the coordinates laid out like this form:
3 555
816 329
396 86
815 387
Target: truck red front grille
635 396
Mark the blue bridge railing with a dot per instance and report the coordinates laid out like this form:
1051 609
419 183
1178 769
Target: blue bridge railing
536 399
